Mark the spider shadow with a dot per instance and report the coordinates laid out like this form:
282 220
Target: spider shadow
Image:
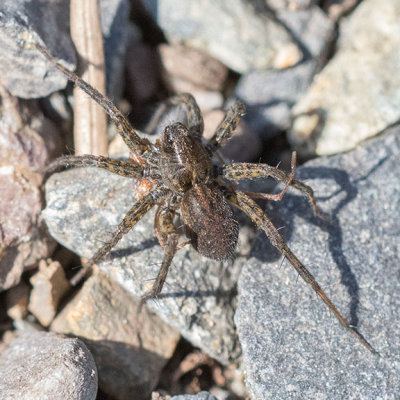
127 251
223 296
298 206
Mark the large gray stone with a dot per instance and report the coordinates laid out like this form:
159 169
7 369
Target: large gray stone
130 348
271 93
357 95
293 347
199 396
83 208
243 35
42 365
26 73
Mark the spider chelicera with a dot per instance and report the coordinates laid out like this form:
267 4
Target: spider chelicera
178 172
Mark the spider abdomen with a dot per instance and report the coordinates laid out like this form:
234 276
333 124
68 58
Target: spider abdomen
209 222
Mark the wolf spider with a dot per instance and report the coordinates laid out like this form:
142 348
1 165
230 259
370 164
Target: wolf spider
178 172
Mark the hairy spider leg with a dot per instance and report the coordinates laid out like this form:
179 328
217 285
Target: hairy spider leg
118 167
227 126
134 215
238 171
249 207
135 143
195 122
168 236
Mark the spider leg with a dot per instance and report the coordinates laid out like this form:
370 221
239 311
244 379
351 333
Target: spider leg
278 197
125 129
227 126
129 221
238 171
195 122
118 167
248 206
168 235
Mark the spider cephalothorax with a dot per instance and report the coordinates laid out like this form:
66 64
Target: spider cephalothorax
179 174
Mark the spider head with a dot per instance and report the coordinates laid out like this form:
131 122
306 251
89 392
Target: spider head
184 161
173 138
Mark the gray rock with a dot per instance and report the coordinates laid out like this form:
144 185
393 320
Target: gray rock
117 36
357 94
293 347
130 348
243 36
83 208
25 73
271 94
199 396
47 366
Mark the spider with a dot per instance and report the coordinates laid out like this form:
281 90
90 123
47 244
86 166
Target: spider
178 172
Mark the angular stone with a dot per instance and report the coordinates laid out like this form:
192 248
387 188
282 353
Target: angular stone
17 299
357 95
292 345
49 287
130 348
194 66
243 36
28 141
47 366
26 73
271 94
199 396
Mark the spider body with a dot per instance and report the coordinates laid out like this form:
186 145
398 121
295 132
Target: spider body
184 162
178 173
209 222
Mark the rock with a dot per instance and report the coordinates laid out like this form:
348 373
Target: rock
244 145
198 297
357 94
143 66
28 141
47 366
271 94
292 345
199 396
17 301
279 5
116 35
243 36
194 66
7 338
130 349
26 73
49 287
339 8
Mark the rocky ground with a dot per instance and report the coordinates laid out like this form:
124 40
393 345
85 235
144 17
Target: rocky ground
318 77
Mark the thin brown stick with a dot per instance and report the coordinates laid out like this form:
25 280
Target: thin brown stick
90 122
